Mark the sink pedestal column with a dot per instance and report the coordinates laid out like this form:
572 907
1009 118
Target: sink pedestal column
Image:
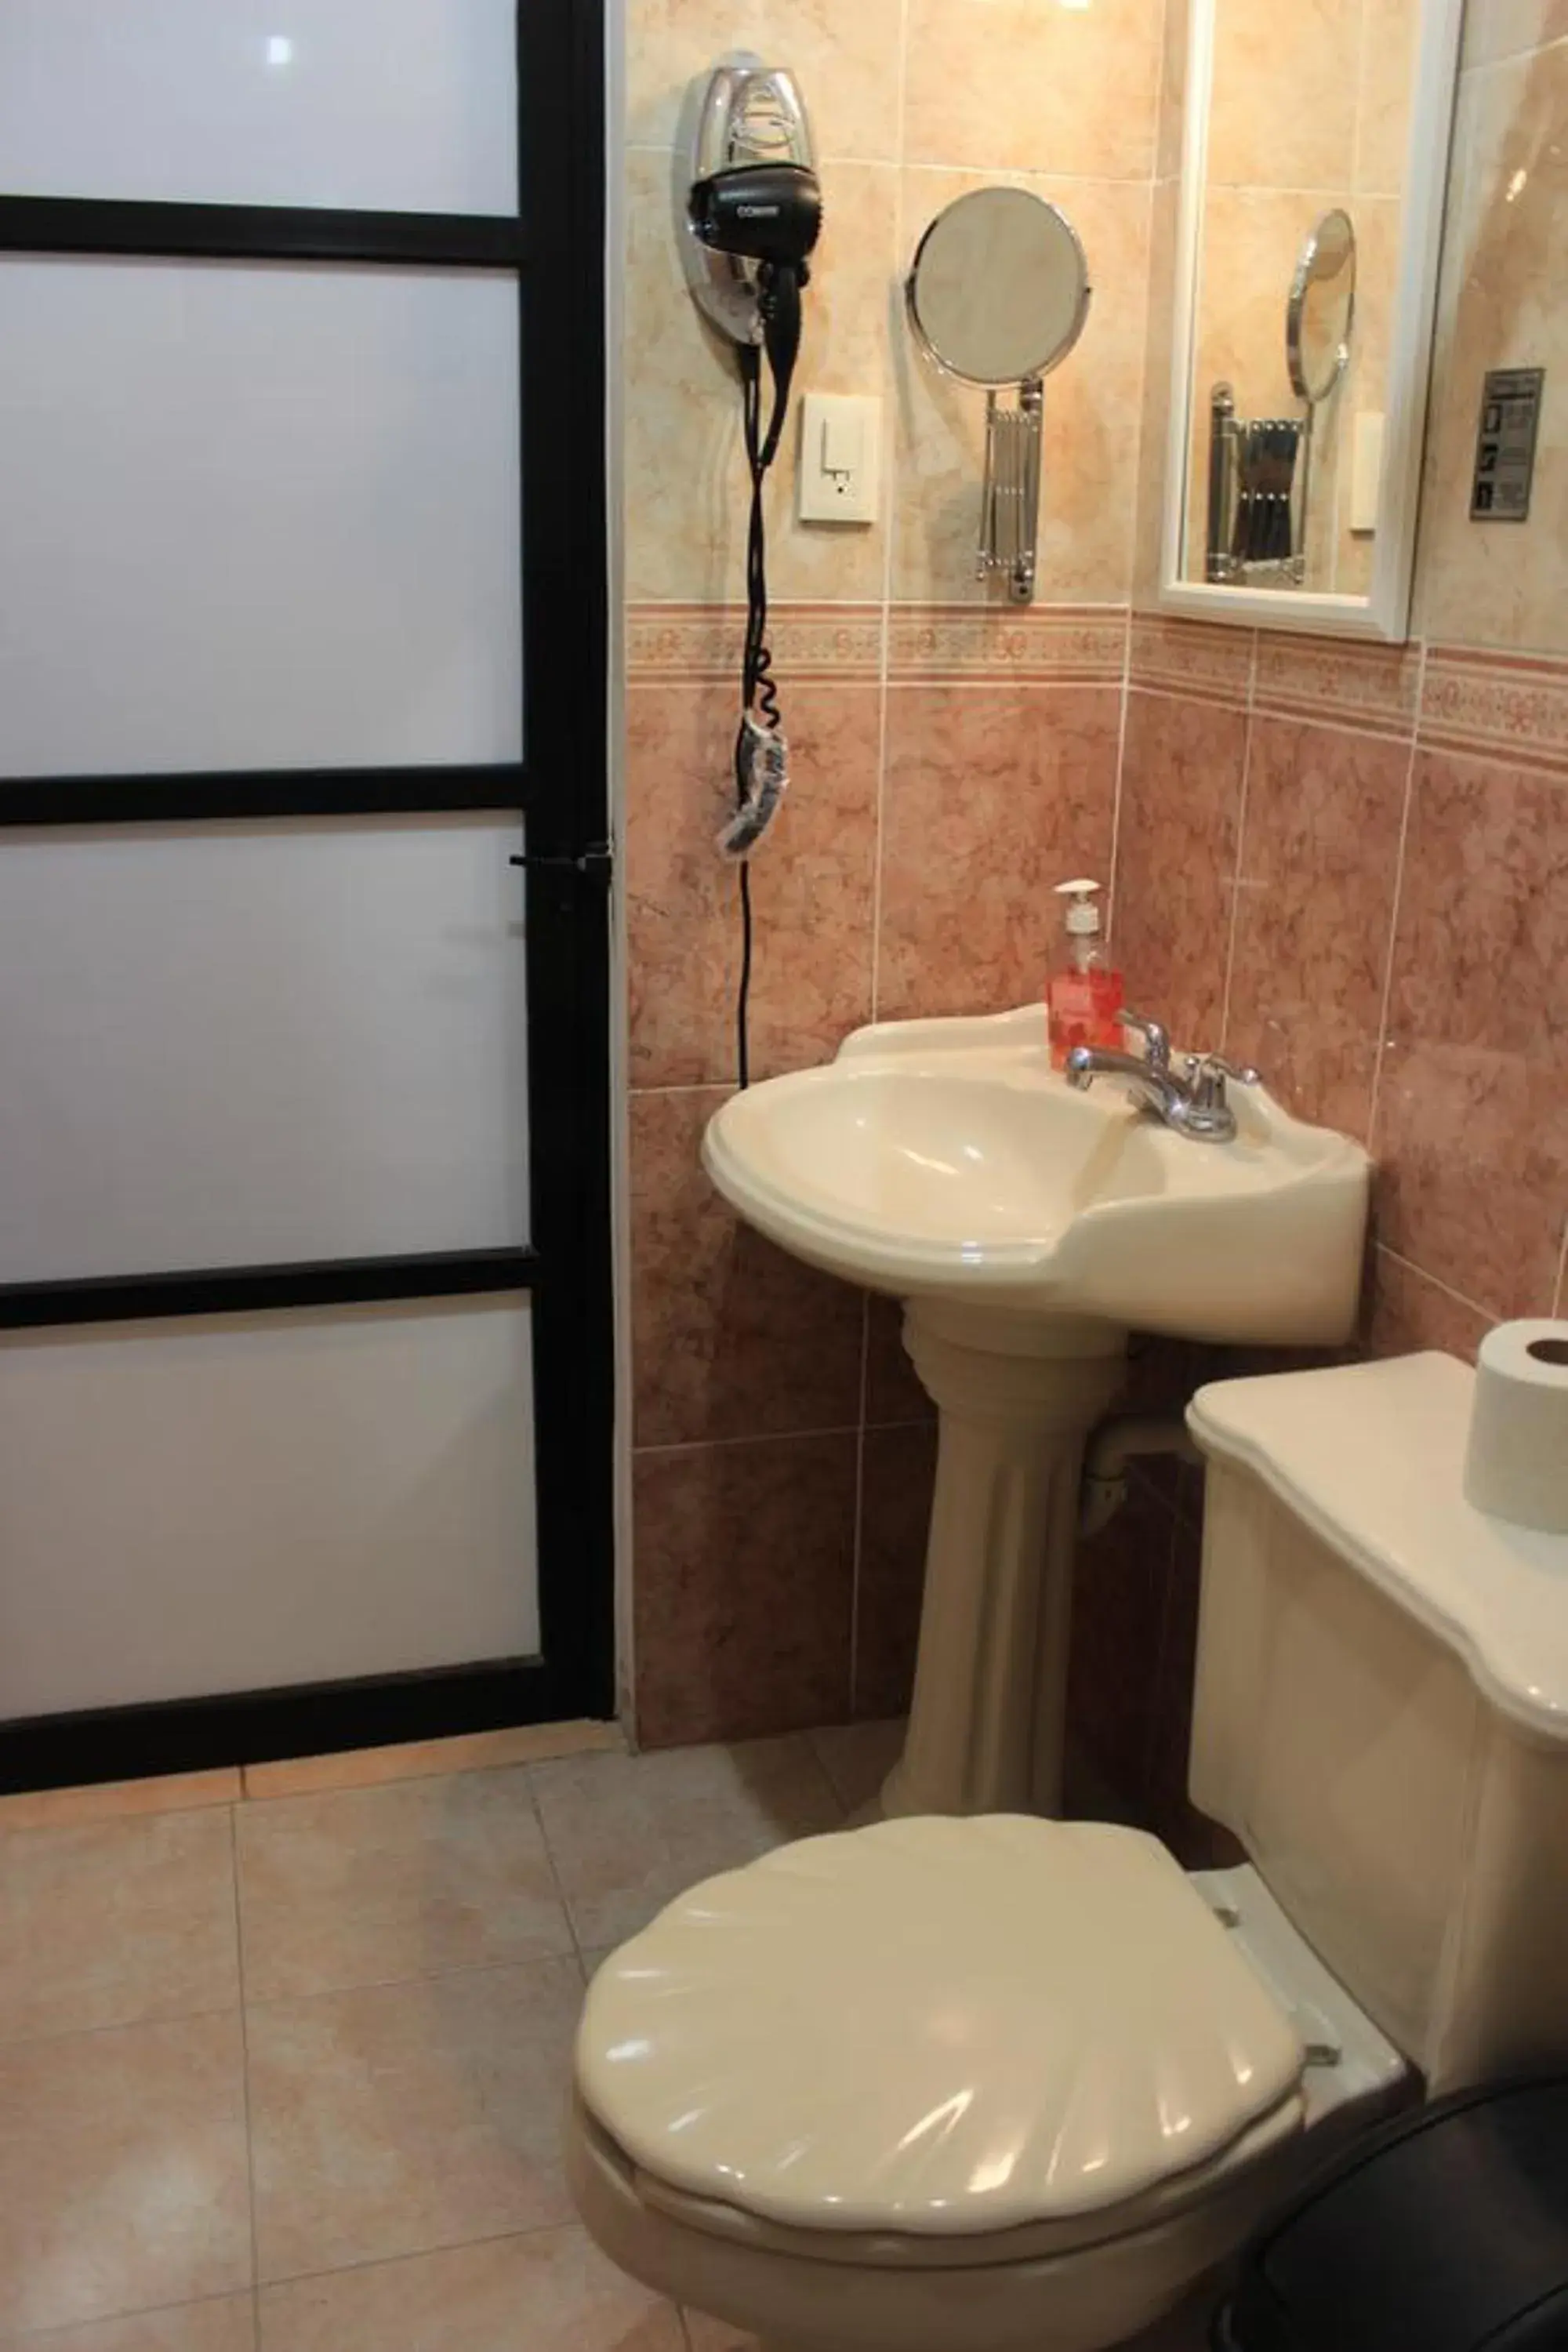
1018 1398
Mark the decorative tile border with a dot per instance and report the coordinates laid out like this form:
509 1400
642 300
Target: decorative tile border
1058 644
1374 688
669 643
1054 645
1193 658
1496 706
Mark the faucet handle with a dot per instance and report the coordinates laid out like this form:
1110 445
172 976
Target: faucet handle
1156 1035
1216 1066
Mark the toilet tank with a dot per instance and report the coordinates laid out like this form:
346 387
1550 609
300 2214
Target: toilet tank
1381 1711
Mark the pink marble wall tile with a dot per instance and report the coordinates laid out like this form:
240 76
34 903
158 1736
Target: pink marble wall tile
1197 1842
1472 1123
1408 1313
1175 860
992 794
1119 1601
1314 914
811 883
745 1558
731 1338
897 1473
893 1392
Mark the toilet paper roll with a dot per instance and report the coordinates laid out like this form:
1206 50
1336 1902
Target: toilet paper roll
1517 1467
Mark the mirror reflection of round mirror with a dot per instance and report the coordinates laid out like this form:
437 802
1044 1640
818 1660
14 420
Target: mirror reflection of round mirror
1321 310
999 290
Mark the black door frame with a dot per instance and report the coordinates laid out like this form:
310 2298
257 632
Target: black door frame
556 249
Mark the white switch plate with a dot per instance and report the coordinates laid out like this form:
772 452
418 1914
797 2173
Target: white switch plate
840 445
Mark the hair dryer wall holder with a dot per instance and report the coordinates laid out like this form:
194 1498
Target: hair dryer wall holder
1010 499
744 116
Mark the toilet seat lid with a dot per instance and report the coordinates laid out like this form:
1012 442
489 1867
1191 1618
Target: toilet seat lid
934 2025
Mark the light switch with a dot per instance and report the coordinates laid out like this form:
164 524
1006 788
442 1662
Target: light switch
1366 470
840 438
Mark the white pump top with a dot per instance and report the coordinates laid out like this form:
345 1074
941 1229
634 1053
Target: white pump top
1083 915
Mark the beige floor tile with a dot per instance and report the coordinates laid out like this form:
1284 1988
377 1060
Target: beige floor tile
627 1834
370 1885
858 1759
549 2292
474 1751
114 1923
109 1801
397 2119
123 2172
224 2325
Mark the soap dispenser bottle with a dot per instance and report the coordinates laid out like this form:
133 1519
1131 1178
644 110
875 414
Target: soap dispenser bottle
1083 994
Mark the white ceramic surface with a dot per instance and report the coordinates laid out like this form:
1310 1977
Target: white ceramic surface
935 2026
1371 1457
947 1159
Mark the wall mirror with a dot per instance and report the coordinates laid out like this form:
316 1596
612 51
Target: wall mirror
997 295
1310 215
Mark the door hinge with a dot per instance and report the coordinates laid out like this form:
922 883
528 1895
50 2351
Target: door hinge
598 858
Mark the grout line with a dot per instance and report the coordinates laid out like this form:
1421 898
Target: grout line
245 2059
381 2262
425 1976
1460 1298
1559 1299
1240 853
1358 139
752 1437
1381 1040
555 1880
1112 890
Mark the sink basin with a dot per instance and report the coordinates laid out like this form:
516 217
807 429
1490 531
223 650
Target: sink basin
945 1159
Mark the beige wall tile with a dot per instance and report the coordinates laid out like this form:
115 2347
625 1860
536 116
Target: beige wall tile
394 2120
1389 50
1091 418
1501 306
550 2291
846 59
123 2172
1506 28
418 1760
1007 84
686 498
114 1922
1283 109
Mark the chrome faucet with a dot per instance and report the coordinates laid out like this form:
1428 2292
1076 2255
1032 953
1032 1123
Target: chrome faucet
1194 1100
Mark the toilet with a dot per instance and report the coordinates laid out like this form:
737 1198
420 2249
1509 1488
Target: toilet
1005 2085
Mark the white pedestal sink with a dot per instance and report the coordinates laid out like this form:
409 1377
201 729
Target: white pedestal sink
1027 1228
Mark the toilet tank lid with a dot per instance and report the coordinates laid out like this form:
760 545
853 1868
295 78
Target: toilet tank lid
1372 1458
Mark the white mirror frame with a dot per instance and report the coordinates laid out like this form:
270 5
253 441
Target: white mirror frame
1385 613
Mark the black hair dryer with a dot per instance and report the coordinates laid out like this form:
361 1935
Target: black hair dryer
753 207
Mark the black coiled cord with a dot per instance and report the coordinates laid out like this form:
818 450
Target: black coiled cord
778 303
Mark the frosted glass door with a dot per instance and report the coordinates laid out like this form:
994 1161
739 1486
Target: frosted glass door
405 105
231 1044
250 1502
257 518
292 1381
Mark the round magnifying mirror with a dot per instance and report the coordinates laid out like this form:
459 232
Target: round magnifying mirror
999 290
1321 308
